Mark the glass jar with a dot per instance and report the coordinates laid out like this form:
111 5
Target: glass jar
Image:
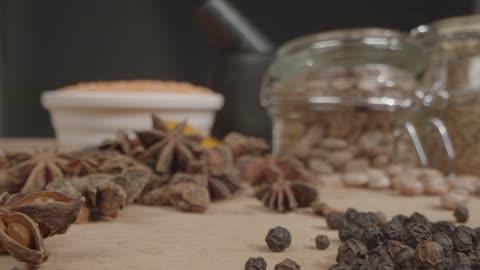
453 82
339 99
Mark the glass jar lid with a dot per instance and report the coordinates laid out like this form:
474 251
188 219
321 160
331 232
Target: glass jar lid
321 68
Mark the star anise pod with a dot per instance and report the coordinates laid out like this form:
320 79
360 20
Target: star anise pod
25 220
105 194
186 192
81 163
283 194
261 170
242 145
34 171
222 176
115 163
168 151
122 144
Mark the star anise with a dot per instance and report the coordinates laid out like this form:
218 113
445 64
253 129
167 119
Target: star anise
122 144
34 171
284 194
105 194
25 220
222 176
81 163
261 170
169 151
242 145
186 192
115 163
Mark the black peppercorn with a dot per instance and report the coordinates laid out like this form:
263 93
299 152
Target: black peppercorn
372 238
459 258
392 247
350 231
381 263
287 264
278 239
256 264
402 219
366 220
416 234
461 214
462 238
394 230
351 215
335 221
443 227
418 218
445 241
474 256
405 258
351 250
429 254
322 242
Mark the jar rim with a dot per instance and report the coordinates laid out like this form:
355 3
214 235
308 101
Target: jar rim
452 28
369 36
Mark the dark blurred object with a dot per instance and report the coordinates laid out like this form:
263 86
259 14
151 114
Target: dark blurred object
245 54
230 30
3 54
237 76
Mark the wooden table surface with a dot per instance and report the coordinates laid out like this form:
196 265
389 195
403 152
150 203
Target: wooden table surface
146 238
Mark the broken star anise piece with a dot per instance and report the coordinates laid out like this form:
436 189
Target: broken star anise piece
186 192
38 169
242 145
26 219
122 144
169 151
104 197
223 177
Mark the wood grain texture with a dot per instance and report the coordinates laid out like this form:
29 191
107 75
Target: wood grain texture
145 238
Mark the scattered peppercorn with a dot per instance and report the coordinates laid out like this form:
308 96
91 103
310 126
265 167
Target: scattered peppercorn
287 264
335 221
256 264
461 214
322 242
278 239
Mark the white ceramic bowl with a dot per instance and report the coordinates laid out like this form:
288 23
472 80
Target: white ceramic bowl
82 119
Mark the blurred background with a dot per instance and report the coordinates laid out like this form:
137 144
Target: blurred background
48 44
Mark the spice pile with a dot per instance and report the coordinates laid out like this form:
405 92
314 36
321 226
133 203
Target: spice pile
369 241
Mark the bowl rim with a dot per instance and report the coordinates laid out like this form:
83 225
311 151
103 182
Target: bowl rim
74 100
